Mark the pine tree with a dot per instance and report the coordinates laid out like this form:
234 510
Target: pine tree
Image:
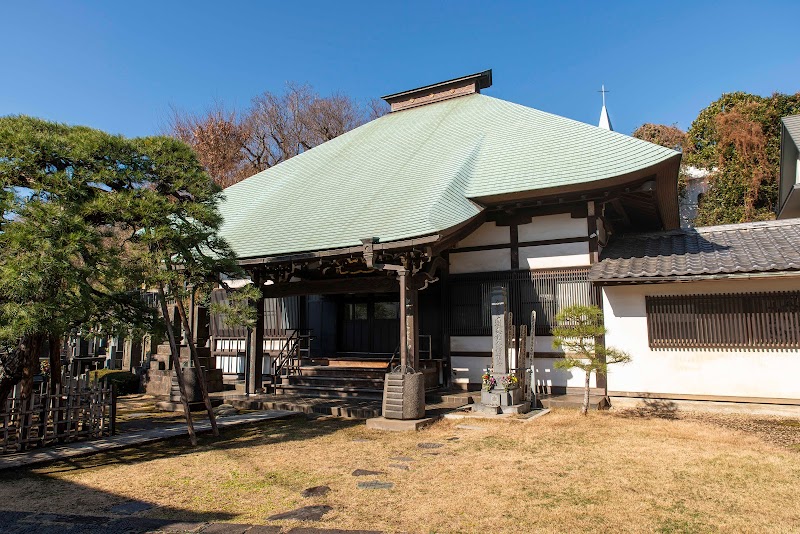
89 219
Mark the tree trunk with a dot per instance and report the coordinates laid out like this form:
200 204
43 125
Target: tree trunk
55 361
176 363
201 375
18 366
585 407
31 350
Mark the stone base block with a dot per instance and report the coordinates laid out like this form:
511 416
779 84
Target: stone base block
500 397
399 425
523 407
485 409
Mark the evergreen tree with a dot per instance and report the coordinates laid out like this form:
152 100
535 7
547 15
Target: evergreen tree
88 220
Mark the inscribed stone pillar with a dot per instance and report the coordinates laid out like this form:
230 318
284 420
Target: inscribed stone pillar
499 330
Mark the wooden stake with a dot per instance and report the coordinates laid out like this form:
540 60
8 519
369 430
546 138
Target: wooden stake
176 363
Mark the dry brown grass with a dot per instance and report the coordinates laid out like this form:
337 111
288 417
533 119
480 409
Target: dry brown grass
563 472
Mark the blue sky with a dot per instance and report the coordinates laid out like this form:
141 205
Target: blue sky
119 66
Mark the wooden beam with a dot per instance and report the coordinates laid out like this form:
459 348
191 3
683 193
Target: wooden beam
347 251
377 284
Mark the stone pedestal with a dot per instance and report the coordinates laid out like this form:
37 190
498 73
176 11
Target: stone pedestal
404 396
498 400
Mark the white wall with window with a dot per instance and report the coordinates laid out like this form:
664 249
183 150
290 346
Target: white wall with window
697 351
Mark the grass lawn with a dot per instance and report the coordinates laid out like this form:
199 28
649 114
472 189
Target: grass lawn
608 472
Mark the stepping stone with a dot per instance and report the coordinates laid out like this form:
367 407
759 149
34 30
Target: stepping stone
316 491
375 484
403 467
130 507
367 473
230 528
469 427
135 415
306 513
260 529
402 458
429 445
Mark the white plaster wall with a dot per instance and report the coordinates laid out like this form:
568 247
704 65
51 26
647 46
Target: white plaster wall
480 261
553 256
468 369
738 373
547 375
487 234
558 226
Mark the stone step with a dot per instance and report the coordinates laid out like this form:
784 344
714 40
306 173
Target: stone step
328 391
321 380
349 363
343 372
366 409
457 398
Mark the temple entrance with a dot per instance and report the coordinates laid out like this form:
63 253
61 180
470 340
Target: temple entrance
370 326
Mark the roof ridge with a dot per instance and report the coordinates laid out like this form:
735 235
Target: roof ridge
574 121
700 230
747 225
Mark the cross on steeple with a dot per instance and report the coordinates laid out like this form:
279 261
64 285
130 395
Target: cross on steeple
603 90
604 122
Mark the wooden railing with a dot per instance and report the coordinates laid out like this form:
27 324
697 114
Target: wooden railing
78 409
730 321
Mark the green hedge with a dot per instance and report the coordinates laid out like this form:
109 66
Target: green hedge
126 382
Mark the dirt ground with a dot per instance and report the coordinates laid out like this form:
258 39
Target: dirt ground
618 471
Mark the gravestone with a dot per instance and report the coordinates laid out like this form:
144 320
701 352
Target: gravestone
502 396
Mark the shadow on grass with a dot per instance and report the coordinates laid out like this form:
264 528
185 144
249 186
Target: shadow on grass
652 408
263 433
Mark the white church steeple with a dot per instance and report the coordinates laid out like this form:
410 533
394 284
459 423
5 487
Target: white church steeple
605 122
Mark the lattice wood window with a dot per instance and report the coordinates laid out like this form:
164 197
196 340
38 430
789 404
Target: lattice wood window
734 321
545 291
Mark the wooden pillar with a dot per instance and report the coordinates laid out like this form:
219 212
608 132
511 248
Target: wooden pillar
254 377
445 321
402 276
412 327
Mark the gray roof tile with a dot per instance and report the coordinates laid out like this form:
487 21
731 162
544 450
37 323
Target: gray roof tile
713 250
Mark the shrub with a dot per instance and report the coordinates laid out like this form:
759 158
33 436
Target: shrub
125 382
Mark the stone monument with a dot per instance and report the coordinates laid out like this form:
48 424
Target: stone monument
501 391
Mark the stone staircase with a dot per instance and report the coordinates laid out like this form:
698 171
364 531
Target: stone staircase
334 378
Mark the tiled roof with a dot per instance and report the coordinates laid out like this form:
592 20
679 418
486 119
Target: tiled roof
713 250
416 172
792 124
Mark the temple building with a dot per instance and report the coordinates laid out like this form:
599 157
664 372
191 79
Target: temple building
381 248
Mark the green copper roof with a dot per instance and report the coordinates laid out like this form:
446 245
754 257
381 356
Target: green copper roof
416 172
